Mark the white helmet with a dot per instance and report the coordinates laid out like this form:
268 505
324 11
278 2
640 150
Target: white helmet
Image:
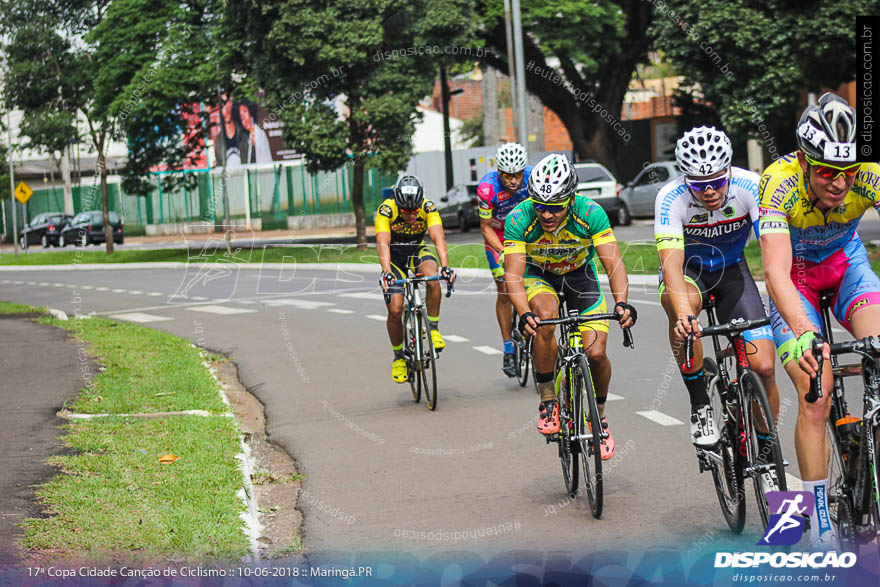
511 158
827 131
703 151
553 180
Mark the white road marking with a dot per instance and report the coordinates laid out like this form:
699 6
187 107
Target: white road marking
377 317
140 317
71 285
31 282
363 295
220 310
102 288
340 311
7 281
118 290
245 301
660 418
196 298
154 293
17 282
297 303
613 397
488 350
136 292
455 338
53 285
87 286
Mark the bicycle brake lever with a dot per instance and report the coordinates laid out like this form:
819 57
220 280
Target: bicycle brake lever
816 384
628 339
689 351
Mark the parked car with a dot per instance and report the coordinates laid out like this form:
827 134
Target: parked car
637 197
88 227
459 207
44 228
598 184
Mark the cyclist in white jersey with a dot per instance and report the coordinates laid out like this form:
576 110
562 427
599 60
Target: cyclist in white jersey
702 223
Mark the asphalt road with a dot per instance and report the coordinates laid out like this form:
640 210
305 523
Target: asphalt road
383 472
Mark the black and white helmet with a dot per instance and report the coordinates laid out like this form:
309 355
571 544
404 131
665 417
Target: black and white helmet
409 192
553 180
702 151
511 158
827 130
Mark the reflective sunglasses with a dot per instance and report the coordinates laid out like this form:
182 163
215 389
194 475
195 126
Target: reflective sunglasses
707 184
405 211
511 176
552 208
832 172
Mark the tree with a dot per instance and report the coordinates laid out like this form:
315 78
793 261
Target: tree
580 57
372 60
51 65
754 61
52 131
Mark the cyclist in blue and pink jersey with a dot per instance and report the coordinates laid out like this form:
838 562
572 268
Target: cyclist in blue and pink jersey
811 203
499 192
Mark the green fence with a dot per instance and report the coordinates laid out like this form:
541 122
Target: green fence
273 193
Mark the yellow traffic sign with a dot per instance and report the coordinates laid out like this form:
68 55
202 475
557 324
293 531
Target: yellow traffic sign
23 192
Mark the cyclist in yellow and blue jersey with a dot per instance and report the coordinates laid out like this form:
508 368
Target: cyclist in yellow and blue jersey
811 204
401 224
550 241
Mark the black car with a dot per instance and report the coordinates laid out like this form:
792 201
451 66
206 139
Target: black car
458 208
88 227
44 228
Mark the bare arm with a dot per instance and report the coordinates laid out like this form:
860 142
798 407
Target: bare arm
490 235
514 270
438 237
612 261
383 248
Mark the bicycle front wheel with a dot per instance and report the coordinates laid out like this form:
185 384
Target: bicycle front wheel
568 444
411 349
588 424
726 476
428 363
766 455
522 357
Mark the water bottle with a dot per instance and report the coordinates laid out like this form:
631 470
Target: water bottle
847 429
855 445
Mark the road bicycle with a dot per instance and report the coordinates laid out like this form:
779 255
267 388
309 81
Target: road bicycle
854 463
578 410
522 354
418 347
739 453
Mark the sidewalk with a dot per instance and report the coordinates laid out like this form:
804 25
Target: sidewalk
40 370
194 240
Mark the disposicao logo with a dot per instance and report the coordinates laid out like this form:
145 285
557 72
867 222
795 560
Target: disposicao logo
789 511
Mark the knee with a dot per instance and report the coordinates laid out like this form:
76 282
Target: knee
816 413
766 369
395 312
597 354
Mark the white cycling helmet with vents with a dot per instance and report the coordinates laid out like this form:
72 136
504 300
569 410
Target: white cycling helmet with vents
702 151
553 180
510 158
827 130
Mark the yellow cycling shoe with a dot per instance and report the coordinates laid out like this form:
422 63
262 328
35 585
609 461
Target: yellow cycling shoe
439 343
398 370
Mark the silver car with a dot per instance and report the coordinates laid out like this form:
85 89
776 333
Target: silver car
598 184
637 197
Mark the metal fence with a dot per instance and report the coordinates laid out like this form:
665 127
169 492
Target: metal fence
268 192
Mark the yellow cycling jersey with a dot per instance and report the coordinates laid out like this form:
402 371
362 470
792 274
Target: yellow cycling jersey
786 208
389 219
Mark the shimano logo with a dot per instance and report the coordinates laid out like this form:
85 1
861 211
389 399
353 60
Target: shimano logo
790 560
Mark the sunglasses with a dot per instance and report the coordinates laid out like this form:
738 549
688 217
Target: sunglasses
511 176
707 184
832 172
405 211
551 208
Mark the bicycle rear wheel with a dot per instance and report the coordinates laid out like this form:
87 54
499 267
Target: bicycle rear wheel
587 419
759 415
522 357
428 363
726 476
410 333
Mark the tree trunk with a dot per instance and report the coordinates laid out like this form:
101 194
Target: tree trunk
68 184
357 199
105 202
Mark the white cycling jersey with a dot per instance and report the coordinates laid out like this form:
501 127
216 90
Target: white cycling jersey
711 240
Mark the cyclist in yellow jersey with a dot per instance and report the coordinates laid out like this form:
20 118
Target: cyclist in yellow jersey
549 244
401 224
811 203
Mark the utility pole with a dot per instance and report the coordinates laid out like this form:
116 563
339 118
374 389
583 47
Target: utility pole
520 74
508 27
445 96
11 184
220 146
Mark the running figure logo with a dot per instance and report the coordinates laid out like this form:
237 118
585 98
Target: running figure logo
786 526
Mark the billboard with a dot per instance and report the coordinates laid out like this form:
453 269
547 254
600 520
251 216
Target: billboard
241 139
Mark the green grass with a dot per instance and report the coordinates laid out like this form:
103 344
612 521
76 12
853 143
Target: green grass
12 308
639 257
113 501
146 370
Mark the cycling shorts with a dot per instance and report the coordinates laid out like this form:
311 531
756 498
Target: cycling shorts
400 264
736 295
580 288
494 266
847 273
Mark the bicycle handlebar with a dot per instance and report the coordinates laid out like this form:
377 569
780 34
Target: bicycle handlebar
869 346
735 326
627 333
424 279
